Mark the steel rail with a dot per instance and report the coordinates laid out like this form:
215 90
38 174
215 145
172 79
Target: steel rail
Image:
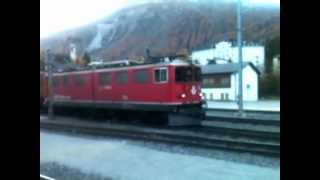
268 149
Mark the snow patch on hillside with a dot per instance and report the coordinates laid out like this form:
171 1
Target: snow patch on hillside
102 30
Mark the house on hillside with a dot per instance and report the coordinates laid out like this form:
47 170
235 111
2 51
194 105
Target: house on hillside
276 64
220 82
225 52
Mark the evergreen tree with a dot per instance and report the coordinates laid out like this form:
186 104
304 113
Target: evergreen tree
42 60
269 84
272 49
86 58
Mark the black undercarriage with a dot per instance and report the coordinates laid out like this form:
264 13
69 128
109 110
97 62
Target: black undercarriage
172 115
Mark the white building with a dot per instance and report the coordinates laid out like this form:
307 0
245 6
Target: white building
73 53
276 64
224 50
220 82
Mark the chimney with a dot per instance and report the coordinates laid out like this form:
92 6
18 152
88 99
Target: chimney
148 53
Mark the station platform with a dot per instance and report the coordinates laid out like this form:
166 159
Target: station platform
261 105
247 115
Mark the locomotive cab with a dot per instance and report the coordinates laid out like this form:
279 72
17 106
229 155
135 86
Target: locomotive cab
188 84
187 93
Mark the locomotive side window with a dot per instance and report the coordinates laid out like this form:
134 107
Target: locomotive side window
55 81
65 80
104 78
141 76
122 77
161 75
79 81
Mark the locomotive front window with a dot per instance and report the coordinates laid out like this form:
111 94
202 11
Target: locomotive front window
188 74
197 74
104 78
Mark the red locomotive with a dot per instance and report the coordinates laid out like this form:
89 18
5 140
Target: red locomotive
43 90
172 88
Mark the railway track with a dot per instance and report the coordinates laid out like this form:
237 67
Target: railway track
256 143
243 133
268 117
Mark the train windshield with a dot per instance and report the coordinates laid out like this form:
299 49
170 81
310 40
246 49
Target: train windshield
188 74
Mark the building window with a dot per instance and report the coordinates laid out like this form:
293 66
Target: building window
227 97
104 78
216 81
222 96
79 80
141 76
55 81
65 80
224 81
160 75
122 77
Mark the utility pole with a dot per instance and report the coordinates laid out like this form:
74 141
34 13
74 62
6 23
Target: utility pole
239 39
50 88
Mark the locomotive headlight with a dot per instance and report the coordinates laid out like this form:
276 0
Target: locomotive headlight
200 94
183 95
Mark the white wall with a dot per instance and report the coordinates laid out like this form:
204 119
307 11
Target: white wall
202 56
255 55
216 93
250 78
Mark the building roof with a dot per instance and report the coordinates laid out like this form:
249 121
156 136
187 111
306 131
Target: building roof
225 68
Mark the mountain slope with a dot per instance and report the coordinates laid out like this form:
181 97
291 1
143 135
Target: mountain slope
165 28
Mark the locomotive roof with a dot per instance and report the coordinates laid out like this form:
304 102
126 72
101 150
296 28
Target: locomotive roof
176 62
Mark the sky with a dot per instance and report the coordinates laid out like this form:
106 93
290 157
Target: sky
60 15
